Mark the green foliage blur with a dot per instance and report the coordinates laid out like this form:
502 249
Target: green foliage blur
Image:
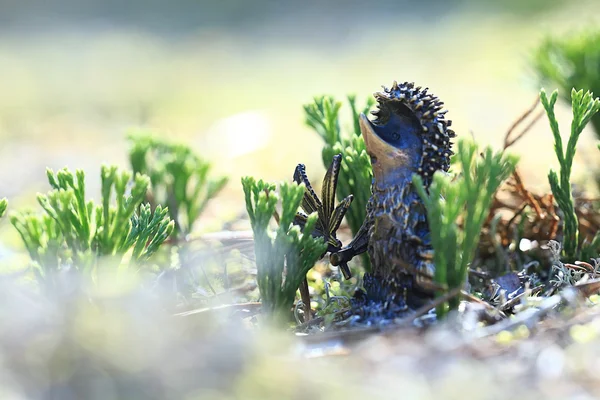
285 255
3 206
467 198
180 179
571 61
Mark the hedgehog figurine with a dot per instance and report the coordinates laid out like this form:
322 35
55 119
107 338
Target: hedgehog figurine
408 136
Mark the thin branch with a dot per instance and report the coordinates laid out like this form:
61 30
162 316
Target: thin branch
535 119
507 137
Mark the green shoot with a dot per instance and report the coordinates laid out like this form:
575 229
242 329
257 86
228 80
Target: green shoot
180 178
584 108
323 117
285 255
466 198
356 174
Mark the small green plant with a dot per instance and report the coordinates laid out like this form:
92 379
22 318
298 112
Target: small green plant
285 255
356 173
570 62
180 178
74 233
467 198
584 108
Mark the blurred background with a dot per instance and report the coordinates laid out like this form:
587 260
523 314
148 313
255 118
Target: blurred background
230 77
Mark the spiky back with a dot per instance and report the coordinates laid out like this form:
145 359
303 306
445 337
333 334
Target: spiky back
427 109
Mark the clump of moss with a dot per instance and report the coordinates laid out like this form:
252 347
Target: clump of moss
467 198
73 233
283 255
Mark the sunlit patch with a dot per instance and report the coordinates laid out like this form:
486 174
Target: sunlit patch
240 134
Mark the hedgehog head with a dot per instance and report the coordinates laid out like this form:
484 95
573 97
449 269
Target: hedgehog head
409 135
